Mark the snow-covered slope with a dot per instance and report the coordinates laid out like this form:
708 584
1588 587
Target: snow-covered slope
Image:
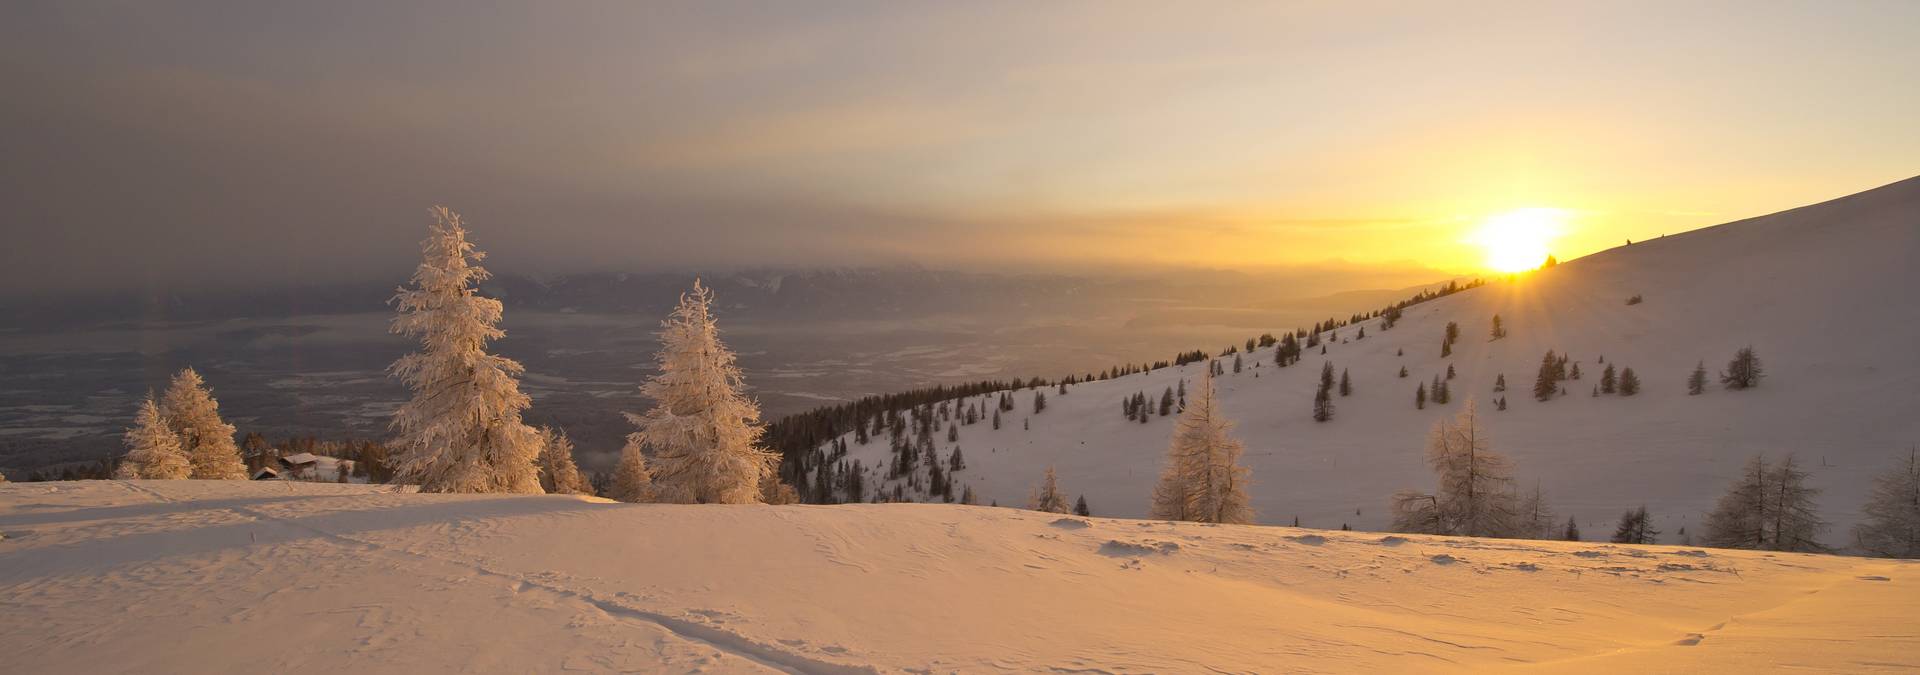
233 576
1824 293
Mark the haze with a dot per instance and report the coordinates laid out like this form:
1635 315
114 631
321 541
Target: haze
171 144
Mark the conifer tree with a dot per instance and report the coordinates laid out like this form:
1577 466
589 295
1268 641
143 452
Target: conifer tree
1475 497
1891 524
632 480
558 473
1573 530
1420 396
1545 384
1768 507
1744 371
1322 405
1450 374
1608 380
153 450
1202 479
1636 527
1697 381
461 431
1629 382
967 497
1047 497
1403 371
193 415
1499 331
1499 383
1080 507
702 430
1346 384
1039 402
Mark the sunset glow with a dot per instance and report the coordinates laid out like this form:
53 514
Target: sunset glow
1519 240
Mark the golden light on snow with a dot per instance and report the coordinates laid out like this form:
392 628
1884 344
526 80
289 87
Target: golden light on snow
1517 240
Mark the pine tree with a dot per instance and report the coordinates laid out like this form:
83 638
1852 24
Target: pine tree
1236 364
1039 402
1203 480
1420 396
1743 371
956 461
1636 527
1573 530
967 497
1534 518
1499 331
1166 403
702 430
1891 524
558 474
1575 373
1450 374
1475 496
1499 383
193 415
1545 385
153 450
1326 375
632 480
1629 382
1322 405
1080 507
1403 371
1346 384
1608 379
461 431
1697 382
1047 497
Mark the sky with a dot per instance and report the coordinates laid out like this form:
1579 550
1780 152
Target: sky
159 144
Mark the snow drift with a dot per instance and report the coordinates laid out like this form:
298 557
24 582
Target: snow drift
229 576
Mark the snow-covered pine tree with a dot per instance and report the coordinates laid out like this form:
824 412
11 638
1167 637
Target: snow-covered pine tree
1203 480
1743 371
153 450
1891 527
1475 497
461 431
558 473
194 416
632 480
1047 497
702 431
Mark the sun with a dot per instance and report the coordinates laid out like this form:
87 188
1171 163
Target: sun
1516 241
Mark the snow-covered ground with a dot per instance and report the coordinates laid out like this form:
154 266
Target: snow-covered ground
1825 294
234 576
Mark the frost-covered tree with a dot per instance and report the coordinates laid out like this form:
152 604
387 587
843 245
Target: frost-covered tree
461 431
1047 497
1697 381
632 480
1636 527
1743 371
558 473
702 430
1203 480
1475 497
153 450
194 416
1769 507
1891 527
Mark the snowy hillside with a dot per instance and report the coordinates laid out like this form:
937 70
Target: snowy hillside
232 576
1823 293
